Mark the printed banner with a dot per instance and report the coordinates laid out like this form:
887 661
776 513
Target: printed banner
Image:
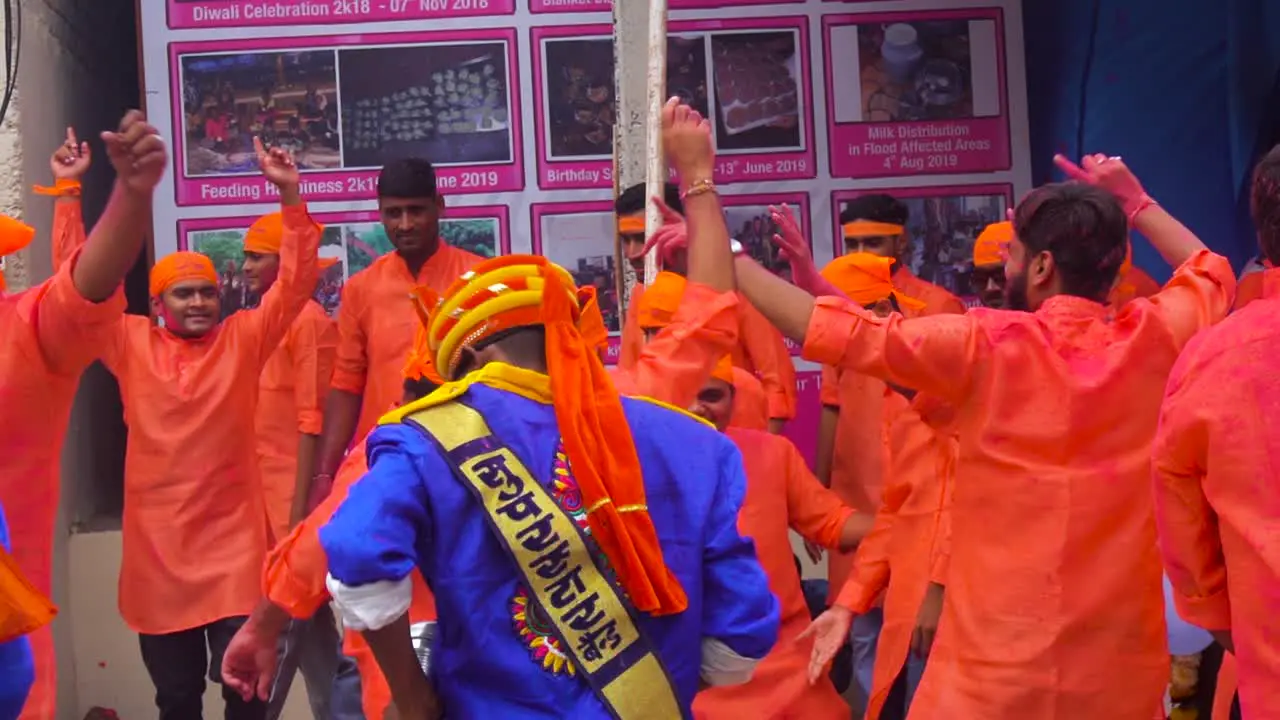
812 104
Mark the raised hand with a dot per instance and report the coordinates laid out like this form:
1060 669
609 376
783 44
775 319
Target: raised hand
686 137
791 242
137 152
71 159
829 632
671 238
277 165
1108 173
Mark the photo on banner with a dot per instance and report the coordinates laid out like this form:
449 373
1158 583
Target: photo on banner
750 77
354 240
917 93
942 224
751 223
345 106
238 13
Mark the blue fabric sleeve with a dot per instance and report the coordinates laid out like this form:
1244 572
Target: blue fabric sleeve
375 533
739 609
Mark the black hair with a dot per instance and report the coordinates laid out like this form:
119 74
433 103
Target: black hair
418 389
407 178
636 198
876 207
1082 227
1264 204
525 345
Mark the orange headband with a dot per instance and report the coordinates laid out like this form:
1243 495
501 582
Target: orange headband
631 225
14 235
866 279
867 228
173 269
593 427
660 301
266 234
992 244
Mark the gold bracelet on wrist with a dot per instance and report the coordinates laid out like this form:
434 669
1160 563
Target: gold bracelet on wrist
698 187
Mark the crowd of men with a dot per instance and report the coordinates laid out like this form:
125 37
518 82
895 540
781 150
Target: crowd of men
509 529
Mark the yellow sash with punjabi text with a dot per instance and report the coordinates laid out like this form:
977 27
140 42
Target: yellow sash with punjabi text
587 611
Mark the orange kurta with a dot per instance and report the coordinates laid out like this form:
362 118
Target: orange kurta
760 349
860 453
1056 411
676 363
906 548
1218 491
376 325
294 579
291 402
778 480
195 525
50 335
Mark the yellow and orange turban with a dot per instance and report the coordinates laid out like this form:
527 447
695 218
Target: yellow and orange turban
867 279
14 235
992 244
173 269
661 300
514 291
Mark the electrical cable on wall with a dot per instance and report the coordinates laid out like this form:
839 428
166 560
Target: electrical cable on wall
12 46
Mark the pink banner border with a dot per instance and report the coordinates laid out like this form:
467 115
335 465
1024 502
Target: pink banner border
511 180
177 15
808 155
499 212
606 5
840 196
975 13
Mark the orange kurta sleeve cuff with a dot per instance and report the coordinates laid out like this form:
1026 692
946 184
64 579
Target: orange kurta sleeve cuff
781 406
833 528
1211 612
829 393
832 322
347 381
293 578
310 422
859 595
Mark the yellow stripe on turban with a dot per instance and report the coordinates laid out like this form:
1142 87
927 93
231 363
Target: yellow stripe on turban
660 301
14 235
266 234
527 290
868 228
992 244
867 279
173 269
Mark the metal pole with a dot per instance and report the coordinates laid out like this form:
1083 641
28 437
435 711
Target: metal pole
656 87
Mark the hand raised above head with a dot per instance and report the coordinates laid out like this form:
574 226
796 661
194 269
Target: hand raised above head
686 137
71 159
278 166
137 153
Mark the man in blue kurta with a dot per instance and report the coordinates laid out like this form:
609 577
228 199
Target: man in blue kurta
583 548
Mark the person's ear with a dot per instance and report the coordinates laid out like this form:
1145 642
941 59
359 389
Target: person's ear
440 204
1042 268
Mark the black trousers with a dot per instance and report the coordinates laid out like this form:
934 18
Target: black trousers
178 664
895 705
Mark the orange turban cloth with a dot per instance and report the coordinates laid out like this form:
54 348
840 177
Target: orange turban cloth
266 234
660 301
631 225
173 269
989 248
514 291
591 322
421 363
23 608
867 279
723 370
14 235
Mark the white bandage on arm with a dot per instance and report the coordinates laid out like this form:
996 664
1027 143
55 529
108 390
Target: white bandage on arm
373 606
722 666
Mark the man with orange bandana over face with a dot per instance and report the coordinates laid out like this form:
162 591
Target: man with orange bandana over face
195 519
291 391
782 495
1217 495
902 561
375 324
759 348
1034 625
850 456
51 332
294 574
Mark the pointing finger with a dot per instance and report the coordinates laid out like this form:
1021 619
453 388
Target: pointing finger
1070 169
